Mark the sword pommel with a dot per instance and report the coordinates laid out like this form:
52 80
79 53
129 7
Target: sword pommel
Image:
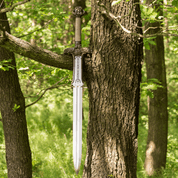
78 11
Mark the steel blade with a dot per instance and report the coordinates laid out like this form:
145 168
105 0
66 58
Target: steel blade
77 127
77 114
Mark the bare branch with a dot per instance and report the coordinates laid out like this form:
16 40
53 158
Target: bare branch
13 6
38 54
45 90
150 28
1 3
111 16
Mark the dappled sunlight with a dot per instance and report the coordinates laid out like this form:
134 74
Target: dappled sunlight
149 158
51 157
51 106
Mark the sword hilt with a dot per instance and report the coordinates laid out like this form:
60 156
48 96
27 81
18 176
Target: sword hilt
78 12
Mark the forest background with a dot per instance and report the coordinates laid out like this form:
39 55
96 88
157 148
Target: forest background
49 24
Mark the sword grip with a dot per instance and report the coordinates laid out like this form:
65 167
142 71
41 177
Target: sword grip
78 30
78 12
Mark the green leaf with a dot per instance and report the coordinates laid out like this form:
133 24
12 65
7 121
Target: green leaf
150 94
115 2
152 42
4 65
16 107
3 68
151 86
154 80
150 10
147 46
153 16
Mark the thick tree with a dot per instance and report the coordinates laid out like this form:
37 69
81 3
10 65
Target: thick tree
157 106
12 107
113 79
113 75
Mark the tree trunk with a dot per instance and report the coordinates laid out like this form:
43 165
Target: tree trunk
113 77
157 106
18 154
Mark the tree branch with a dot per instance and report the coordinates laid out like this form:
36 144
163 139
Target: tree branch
45 90
111 17
13 6
38 54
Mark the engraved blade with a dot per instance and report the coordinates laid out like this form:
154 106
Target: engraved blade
77 113
77 127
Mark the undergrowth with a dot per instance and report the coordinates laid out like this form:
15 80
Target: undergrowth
50 134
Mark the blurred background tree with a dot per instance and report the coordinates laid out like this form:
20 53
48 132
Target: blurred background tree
157 102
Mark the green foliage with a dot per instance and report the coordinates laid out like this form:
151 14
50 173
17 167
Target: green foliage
148 41
86 34
3 168
5 66
175 3
148 13
149 86
50 130
16 107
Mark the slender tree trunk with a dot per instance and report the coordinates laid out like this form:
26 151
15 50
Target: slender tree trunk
157 106
113 78
18 154
167 25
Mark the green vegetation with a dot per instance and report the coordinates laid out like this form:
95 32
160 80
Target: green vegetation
50 130
50 119
50 133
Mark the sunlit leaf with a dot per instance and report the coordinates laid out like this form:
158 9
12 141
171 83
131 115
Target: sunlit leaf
115 2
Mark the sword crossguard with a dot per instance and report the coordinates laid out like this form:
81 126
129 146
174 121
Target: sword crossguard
77 51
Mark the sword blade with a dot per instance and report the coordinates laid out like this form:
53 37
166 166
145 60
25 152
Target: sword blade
77 115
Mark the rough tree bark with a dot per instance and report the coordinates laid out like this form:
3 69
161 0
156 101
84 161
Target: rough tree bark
113 77
18 154
157 106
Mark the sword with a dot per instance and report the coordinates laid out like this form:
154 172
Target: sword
77 83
